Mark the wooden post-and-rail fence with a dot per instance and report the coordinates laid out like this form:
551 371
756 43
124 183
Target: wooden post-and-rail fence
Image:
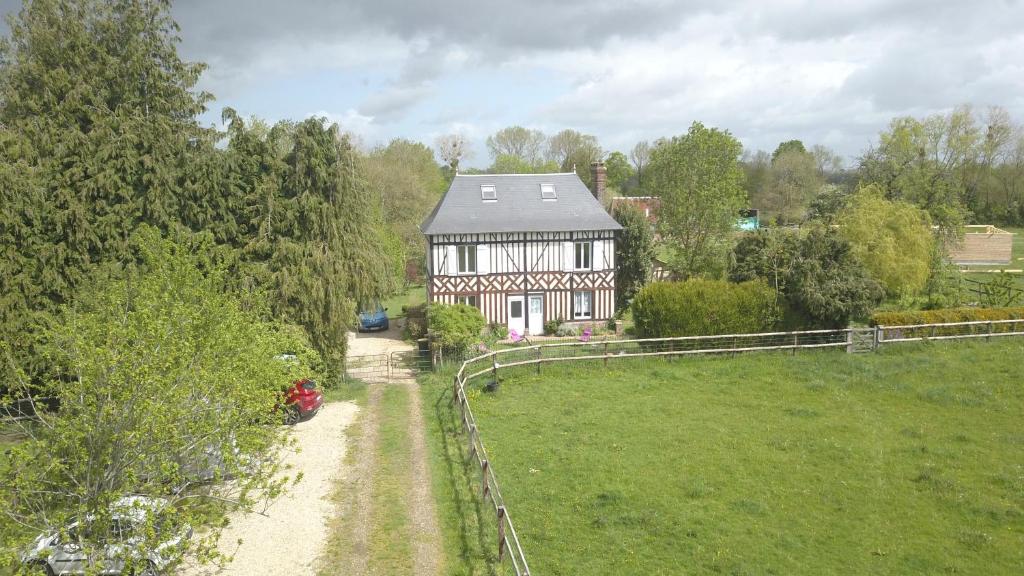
852 339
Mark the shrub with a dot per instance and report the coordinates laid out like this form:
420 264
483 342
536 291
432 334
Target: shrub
703 307
415 321
945 316
566 330
816 272
551 326
498 331
457 327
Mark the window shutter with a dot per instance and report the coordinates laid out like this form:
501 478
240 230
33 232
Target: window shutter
567 257
483 259
598 255
453 261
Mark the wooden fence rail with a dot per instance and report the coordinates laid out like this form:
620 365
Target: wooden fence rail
852 339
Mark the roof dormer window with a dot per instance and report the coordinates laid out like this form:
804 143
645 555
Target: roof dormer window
547 192
488 193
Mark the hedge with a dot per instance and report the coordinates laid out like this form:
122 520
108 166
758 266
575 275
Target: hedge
456 327
704 307
945 316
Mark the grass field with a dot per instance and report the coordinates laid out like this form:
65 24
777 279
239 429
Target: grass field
412 296
906 461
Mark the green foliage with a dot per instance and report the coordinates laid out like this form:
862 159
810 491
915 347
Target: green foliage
407 179
1002 291
892 238
519 143
573 151
788 147
700 183
551 326
620 172
98 133
791 183
312 233
153 373
823 283
634 252
508 164
700 307
456 327
927 163
498 331
947 315
415 322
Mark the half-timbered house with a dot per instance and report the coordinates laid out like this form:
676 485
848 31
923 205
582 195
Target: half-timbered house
524 249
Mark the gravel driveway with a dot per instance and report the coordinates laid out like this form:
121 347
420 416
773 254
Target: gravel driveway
289 538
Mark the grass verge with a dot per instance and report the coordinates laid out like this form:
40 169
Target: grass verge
468 533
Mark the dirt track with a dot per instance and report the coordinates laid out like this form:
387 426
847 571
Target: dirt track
424 530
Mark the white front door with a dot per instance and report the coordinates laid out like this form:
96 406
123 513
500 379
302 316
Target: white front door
516 315
536 311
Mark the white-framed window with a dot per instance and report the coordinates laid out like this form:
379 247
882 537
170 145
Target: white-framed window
581 252
467 299
488 193
582 305
466 254
547 192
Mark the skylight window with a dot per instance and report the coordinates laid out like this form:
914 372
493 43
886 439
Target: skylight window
547 192
488 193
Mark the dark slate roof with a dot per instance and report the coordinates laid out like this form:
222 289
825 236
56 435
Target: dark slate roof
519 207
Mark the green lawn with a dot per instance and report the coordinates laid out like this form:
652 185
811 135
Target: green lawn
412 296
906 461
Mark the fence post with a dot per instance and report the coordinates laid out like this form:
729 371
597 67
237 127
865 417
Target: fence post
472 445
877 339
455 388
485 489
538 359
605 353
494 366
501 533
795 337
989 337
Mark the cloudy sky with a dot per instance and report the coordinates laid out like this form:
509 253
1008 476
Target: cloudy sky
826 72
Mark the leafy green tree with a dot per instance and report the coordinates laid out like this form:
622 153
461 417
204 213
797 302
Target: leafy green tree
892 238
787 147
518 142
409 182
509 164
700 184
634 254
163 379
791 183
917 161
571 150
621 174
815 271
328 255
97 115
314 236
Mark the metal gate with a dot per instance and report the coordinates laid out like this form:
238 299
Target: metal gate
382 368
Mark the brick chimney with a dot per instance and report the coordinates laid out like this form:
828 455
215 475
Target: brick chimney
598 179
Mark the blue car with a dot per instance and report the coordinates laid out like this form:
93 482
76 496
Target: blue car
376 318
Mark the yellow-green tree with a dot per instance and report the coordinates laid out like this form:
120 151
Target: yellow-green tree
894 239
